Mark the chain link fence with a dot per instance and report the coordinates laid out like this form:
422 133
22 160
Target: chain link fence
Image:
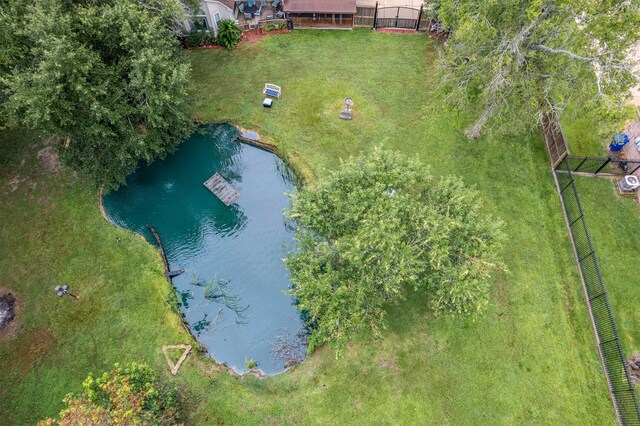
613 359
602 166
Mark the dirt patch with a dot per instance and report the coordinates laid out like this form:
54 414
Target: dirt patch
250 36
12 184
358 405
389 364
50 159
502 297
501 294
633 365
34 346
11 328
7 312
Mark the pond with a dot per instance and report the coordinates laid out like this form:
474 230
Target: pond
232 291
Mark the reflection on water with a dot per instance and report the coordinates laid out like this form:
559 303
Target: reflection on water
233 292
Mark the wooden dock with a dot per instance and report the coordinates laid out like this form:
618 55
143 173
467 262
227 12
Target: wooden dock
222 189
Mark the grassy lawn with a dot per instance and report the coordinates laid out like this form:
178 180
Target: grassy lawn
51 233
614 222
530 359
581 125
580 130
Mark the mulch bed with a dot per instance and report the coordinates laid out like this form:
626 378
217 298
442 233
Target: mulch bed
7 313
250 36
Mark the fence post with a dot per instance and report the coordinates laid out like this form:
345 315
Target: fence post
567 185
603 164
576 219
419 17
580 165
375 17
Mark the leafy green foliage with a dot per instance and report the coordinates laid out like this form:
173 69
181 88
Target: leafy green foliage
274 26
425 369
197 38
13 46
129 395
378 228
229 34
106 79
518 58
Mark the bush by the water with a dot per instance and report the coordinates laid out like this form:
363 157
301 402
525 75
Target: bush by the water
105 79
378 228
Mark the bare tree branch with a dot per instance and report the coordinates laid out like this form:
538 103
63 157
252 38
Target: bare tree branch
543 48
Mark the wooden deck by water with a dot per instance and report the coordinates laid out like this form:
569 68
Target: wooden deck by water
222 189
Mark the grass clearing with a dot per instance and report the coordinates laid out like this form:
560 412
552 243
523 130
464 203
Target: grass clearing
582 138
530 359
614 222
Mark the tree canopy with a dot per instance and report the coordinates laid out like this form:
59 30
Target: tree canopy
524 57
123 396
381 226
104 77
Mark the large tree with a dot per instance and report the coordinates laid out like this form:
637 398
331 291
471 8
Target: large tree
519 58
378 228
105 77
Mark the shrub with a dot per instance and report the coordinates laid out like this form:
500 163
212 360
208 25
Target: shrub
377 228
229 34
274 26
127 395
197 38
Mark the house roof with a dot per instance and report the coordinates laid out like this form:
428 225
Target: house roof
320 6
228 3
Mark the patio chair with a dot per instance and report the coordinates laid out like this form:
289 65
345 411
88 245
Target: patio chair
272 90
276 3
263 3
248 15
259 11
241 7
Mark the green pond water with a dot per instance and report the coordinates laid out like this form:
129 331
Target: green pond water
232 293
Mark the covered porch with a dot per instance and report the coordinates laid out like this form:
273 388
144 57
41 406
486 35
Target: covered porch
335 14
250 12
